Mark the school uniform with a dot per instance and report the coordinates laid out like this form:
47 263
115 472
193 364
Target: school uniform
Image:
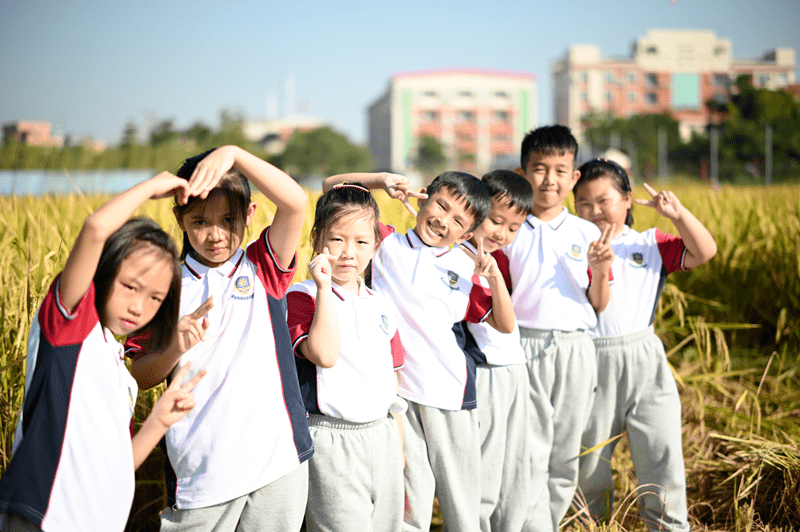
72 465
249 427
356 473
503 411
636 390
548 273
433 289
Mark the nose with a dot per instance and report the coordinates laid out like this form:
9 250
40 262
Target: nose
348 250
215 233
135 306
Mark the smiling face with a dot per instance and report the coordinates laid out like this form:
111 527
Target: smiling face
136 294
601 202
212 229
443 219
500 228
552 177
351 241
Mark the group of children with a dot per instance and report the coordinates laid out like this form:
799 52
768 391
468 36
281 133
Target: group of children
475 360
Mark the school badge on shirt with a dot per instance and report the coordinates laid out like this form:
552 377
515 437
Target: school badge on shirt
385 323
243 287
452 280
637 258
574 252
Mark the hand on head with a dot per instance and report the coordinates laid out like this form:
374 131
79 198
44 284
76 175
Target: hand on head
397 186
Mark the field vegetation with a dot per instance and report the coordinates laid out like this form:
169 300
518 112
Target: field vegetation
732 331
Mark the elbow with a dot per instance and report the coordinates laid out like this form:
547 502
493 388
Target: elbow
328 361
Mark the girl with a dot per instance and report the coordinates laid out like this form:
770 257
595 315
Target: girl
73 462
635 387
237 458
346 337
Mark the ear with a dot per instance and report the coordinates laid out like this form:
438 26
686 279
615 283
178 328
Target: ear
179 219
251 210
576 174
627 199
463 238
519 171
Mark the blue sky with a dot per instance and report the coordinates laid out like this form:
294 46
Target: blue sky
90 67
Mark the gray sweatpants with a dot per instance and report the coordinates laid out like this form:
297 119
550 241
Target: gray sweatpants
443 453
503 412
355 476
563 372
277 507
636 393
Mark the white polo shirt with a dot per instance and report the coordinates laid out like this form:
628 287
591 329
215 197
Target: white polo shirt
249 426
432 289
495 348
549 273
641 264
361 386
72 466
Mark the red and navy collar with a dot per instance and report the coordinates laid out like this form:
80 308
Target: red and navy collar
534 222
416 243
228 268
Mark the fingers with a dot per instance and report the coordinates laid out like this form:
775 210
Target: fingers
418 195
469 253
178 378
650 190
410 208
189 386
605 236
203 309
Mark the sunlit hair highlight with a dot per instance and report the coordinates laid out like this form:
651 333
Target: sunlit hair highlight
606 168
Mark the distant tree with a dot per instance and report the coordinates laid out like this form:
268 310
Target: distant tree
130 134
430 156
322 152
199 133
163 133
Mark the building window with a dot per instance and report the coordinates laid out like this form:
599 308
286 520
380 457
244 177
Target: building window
501 94
652 50
632 97
719 50
651 98
720 80
465 94
609 97
651 80
783 79
430 94
501 116
585 96
430 116
610 78
631 76
465 116
585 77
763 80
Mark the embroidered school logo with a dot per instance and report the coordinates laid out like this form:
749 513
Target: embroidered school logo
385 323
242 287
452 280
575 252
638 259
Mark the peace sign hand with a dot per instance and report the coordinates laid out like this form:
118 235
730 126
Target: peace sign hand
665 203
321 270
600 254
192 328
178 399
398 187
485 264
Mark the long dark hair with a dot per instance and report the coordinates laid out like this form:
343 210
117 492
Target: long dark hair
598 168
233 185
340 201
141 234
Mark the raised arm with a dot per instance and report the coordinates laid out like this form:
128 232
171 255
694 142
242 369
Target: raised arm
82 262
396 186
289 198
700 245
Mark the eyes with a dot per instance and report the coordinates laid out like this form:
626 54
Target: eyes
131 289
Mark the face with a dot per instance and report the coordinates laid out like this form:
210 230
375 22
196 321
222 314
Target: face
443 219
351 240
552 178
499 229
212 230
599 201
137 292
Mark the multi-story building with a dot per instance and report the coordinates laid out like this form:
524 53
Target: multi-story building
674 71
31 133
272 134
478 116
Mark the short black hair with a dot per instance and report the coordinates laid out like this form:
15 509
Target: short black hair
598 168
233 185
511 188
145 234
462 184
548 140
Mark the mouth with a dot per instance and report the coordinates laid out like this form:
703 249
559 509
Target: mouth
436 230
128 324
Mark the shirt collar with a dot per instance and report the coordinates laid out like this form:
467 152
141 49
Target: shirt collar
338 290
554 224
416 242
227 269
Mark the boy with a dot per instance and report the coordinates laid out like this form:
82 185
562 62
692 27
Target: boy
502 377
432 287
559 271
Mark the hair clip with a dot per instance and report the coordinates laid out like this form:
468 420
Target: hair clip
349 185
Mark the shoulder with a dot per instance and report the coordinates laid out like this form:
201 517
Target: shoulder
307 287
581 226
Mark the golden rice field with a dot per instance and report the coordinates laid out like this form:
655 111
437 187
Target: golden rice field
732 331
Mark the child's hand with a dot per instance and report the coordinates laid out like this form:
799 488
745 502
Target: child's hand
320 269
177 399
208 172
398 188
665 203
166 185
485 264
192 327
600 254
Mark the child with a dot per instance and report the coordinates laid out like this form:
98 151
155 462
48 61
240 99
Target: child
502 377
559 269
72 466
346 337
635 388
237 458
432 288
